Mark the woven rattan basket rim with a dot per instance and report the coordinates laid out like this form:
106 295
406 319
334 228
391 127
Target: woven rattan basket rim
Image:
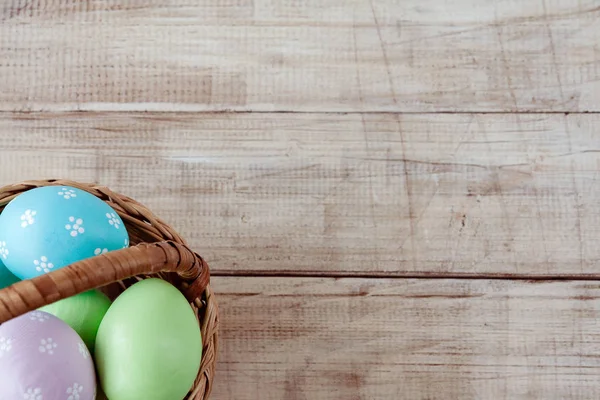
157 251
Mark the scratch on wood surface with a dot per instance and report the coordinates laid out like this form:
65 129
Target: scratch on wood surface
507 71
408 185
497 188
576 194
17 8
365 135
558 16
384 53
426 207
553 51
542 228
283 171
449 166
409 193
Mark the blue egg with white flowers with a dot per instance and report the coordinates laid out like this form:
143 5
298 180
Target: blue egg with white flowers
47 228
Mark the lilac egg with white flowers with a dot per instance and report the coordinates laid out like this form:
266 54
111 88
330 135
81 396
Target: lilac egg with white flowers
47 228
42 358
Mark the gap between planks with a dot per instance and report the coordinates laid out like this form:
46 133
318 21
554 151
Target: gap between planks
412 275
291 112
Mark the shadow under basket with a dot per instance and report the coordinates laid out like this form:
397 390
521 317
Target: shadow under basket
157 251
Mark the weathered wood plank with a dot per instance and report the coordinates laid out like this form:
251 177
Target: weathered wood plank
317 55
375 194
303 338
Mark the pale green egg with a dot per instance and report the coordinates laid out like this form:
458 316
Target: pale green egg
149 344
83 313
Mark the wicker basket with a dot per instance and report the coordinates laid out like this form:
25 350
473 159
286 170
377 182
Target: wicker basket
157 251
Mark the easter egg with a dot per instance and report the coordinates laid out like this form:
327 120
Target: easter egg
6 277
83 313
47 228
151 329
41 357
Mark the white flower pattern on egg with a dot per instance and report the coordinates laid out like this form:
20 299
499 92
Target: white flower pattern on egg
75 227
74 391
28 218
39 316
83 350
5 346
43 265
113 220
3 250
67 193
47 346
99 251
126 243
33 394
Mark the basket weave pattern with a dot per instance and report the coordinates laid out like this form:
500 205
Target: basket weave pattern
157 251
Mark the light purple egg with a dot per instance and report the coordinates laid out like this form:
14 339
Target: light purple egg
42 358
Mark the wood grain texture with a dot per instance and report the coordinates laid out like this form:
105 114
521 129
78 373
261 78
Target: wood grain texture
355 144
333 194
315 55
330 339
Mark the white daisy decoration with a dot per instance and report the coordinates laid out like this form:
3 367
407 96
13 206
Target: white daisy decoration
47 346
3 250
5 346
99 251
33 394
43 265
74 392
67 193
75 226
28 218
39 316
113 220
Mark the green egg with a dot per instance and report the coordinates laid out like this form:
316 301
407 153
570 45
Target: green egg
83 313
6 277
149 344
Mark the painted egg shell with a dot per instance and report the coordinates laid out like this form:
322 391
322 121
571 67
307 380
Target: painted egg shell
41 357
83 313
48 228
6 277
151 329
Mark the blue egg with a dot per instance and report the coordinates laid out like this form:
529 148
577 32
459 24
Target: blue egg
6 277
51 227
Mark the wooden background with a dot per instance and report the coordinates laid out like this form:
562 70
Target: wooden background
398 199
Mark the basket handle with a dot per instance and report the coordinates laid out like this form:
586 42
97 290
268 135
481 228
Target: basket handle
92 273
